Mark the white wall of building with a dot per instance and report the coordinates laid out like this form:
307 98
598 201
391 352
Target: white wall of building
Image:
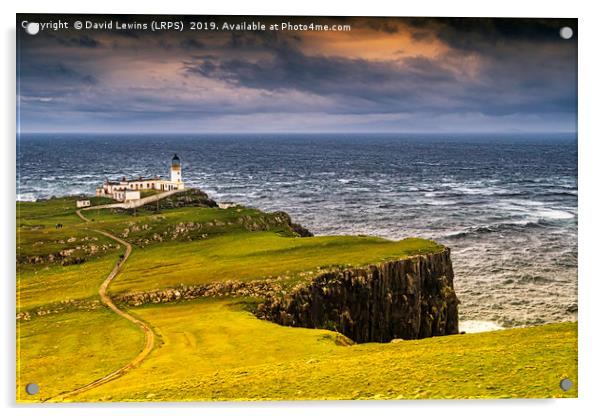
176 174
119 190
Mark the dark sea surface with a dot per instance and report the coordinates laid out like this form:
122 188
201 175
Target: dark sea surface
506 206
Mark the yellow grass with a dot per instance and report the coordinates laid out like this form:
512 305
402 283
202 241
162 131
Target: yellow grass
214 350
61 352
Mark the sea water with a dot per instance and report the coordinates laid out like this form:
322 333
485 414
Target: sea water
505 205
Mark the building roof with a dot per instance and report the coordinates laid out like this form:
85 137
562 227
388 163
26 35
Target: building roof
158 178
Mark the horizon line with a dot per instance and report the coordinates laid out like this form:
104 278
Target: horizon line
295 133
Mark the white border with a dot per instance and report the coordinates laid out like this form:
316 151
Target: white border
590 203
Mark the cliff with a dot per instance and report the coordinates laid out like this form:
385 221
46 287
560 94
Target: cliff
409 299
191 197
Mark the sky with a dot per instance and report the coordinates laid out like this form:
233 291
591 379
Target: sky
405 75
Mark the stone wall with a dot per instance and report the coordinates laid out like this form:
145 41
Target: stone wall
409 299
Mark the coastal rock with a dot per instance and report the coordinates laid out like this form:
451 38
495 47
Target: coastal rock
300 230
190 198
405 299
400 299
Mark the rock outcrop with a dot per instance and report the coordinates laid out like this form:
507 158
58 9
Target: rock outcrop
408 299
230 288
400 299
190 198
298 229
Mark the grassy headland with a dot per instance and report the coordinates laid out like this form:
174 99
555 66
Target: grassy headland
215 349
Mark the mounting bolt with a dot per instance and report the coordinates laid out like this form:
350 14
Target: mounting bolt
566 384
32 388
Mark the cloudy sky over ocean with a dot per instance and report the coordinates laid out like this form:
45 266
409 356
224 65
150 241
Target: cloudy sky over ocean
384 75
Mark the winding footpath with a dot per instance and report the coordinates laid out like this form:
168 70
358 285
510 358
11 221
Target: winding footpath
149 336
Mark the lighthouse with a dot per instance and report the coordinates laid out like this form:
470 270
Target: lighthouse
176 169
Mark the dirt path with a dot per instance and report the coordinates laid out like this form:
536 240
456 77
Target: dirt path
149 336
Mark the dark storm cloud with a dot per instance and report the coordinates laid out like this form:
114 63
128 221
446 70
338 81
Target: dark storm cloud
54 74
126 33
83 41
419 36
257 40
500 69
528 85
290 69
487 36
382 25
192 44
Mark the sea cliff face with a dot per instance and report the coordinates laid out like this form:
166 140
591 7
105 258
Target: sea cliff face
409 299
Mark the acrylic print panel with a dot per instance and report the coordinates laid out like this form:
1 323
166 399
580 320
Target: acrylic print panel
218 208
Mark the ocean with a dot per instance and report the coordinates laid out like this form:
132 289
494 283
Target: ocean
505 205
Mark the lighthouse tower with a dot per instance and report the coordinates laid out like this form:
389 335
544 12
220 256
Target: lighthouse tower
176 169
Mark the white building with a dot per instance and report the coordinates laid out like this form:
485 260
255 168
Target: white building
125 195
130 189
82 203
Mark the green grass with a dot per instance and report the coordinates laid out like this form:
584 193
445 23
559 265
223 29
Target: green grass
52 211
223 247
58 283
214 350
148 192
49 282
48 241
142 227
64 351
247 256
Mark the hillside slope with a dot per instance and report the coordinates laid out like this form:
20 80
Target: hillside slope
209 346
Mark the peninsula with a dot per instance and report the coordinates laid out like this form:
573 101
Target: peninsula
180 299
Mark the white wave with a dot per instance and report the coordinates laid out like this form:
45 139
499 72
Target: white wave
531 209
535 209
471 327
440 202
475 191
555 214
26 197
525 202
